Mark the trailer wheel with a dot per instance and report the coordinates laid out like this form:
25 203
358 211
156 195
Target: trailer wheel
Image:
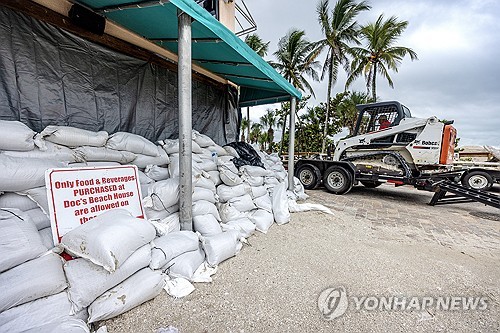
337 180
309 176
370 183
478 180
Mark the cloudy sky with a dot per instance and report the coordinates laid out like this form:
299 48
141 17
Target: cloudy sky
456 77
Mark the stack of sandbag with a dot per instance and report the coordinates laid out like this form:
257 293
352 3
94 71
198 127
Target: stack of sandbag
245 200
178 253
32 281
111 274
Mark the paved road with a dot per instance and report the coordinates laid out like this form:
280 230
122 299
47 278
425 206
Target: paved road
383 242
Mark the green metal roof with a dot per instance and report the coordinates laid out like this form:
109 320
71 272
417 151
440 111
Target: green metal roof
214 47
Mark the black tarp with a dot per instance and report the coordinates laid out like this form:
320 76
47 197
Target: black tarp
49 76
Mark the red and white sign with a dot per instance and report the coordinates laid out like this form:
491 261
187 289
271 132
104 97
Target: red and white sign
76 195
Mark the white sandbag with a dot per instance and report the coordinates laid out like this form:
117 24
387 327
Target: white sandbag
271 180
28 316
19 174
280 204
201 193
228 177
258 191
298 190
207 165
226 159
19 239
142 161
91 154
32 280
203 207
157 173
131 142
221 247
253 181
174 244
39 196
109 239
218 150
231 151
53 152
242 203
157 215
144 179
14 200
203 181
186 264
226 192
178 287
262 219
206 225
215 177
202 140
162 194
196 158
264 202
93 164
87 281
172 146
38 217
137 289
46 236
254 171
65 325
72 136
167 225
230 213
281 175
15 135
244 226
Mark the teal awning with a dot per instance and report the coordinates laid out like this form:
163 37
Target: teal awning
214 47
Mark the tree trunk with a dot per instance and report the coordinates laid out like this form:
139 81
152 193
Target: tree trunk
248 127
283 136
374 83
327 116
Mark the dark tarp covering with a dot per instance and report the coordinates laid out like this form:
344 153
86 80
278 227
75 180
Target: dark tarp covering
49 76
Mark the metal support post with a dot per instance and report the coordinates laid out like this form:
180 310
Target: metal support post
291 143
185 123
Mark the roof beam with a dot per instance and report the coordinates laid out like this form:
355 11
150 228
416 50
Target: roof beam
223 62
194 40
137 4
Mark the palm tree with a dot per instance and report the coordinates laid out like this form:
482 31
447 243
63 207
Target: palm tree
339 28
257 44
296 59
256 132
380 55
260 47
269 120
245 125
346 111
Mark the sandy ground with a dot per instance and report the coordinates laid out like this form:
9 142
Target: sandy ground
381 242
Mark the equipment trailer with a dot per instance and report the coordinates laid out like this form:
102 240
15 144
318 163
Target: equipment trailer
389 145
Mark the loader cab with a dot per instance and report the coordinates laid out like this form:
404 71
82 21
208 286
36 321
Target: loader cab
376 117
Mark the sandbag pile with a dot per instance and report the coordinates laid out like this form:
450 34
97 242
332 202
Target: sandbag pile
121 261
33 287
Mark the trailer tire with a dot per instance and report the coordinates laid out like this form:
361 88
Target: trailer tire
370 183
309 175
477 180
338 180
